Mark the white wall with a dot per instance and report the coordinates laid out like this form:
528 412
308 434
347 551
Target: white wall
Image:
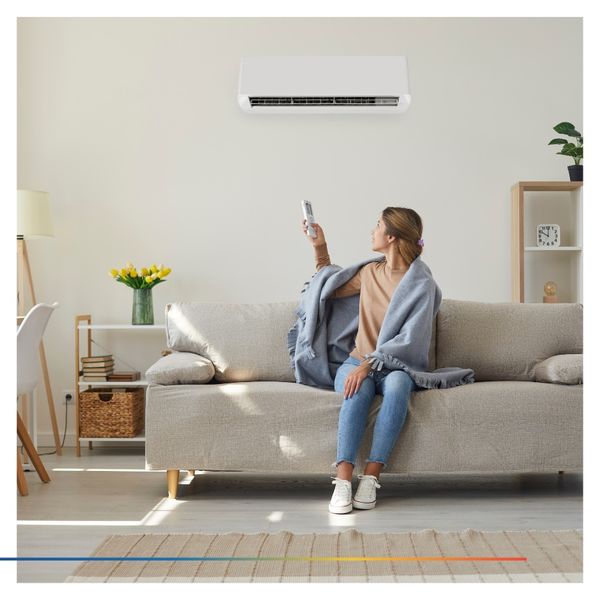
133 127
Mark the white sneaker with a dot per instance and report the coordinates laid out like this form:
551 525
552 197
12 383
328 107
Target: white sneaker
341 501
366 492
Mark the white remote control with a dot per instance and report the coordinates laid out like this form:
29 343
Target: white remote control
310 218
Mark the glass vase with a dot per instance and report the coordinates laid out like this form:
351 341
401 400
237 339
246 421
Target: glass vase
143 311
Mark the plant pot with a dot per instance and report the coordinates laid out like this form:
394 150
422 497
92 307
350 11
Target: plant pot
143 311
576 172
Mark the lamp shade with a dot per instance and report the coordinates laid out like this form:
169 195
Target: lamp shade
33 214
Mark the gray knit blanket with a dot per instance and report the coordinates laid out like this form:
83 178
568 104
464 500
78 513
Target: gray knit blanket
324 334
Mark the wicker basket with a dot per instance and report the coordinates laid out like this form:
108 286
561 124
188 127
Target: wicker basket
104 413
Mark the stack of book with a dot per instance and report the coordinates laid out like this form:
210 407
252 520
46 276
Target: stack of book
97 368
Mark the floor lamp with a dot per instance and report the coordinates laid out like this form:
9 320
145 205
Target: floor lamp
34 220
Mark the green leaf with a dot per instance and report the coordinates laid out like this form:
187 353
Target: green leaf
130 282
564 127
567 129
557 141
156 282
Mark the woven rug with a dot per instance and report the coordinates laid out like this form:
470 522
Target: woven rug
348 556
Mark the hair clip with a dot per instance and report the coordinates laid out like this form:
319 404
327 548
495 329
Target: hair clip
421 242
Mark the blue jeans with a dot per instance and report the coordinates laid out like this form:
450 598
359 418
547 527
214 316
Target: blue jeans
396 388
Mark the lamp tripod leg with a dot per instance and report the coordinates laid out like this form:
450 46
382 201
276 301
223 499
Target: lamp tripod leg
24 262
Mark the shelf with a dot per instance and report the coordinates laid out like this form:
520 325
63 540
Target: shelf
138 383
533 202
122 326
559 249
139 438
84 326
548 186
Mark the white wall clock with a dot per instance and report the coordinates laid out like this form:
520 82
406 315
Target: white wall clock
548 235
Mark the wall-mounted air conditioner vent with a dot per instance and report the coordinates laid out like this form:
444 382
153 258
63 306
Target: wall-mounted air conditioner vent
325 101
324 84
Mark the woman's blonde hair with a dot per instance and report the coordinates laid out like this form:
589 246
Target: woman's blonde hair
406 226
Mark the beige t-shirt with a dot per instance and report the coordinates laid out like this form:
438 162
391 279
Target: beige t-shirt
375 282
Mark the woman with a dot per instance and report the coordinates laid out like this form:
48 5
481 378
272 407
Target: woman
397 235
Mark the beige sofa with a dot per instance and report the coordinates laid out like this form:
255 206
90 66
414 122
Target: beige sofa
226 398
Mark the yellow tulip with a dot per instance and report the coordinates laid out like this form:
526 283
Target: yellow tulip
124 272
144 271
162 274
154 268
129 265
167 270
149 279
154 276
133 272
113 272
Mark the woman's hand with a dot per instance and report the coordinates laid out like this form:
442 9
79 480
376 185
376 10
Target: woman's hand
316 241
355 379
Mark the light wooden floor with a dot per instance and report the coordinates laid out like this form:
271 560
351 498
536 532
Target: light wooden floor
107 491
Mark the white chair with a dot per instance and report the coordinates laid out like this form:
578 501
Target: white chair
29 338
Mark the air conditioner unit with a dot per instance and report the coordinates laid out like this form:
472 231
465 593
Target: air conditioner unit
324 84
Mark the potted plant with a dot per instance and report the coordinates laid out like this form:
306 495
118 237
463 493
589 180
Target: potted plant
142 282
575 151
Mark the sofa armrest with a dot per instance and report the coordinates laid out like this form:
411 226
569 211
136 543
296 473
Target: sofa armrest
561 368
181 368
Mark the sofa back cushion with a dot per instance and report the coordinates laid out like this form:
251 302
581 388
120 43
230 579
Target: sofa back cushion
505 340
245 342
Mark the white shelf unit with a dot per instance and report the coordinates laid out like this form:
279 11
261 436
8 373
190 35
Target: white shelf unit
83 323
537 202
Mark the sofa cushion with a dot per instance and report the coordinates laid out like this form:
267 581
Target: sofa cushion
180 367
245 342
564 368
505 340
491 426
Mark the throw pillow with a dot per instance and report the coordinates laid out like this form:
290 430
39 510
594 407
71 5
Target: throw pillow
179 368
562 368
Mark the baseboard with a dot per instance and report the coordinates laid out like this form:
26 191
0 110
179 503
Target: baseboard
46 440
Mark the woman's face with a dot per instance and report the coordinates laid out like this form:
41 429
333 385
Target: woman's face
379 237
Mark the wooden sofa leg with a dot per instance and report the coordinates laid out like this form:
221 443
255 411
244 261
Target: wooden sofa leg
172 481
191 472
561 472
